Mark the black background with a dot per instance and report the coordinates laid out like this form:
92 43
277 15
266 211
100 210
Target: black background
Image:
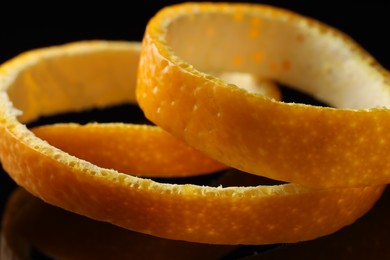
25 26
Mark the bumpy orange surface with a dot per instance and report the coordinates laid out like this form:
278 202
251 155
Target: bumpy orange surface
134 149
196 108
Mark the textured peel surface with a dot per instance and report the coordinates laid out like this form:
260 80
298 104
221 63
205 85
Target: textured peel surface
83 75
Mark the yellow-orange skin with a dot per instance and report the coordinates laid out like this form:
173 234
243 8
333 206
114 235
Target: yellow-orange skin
139 150
347 146
232 215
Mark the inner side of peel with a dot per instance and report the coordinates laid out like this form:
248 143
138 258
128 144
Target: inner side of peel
62 83
281 47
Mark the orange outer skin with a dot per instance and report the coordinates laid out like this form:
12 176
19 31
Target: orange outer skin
233 215
140 150
314 146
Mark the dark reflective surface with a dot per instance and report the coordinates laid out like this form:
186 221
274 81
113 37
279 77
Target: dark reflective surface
32 229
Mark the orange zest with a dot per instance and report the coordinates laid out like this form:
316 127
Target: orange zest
140 150
233 126
345 146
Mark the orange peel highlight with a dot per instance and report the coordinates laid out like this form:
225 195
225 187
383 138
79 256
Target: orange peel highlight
346 145
101 73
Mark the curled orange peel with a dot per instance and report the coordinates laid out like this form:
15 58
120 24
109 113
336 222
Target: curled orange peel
83 75
345 145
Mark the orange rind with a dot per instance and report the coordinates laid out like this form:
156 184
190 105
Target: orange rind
140 150
345 145
79 76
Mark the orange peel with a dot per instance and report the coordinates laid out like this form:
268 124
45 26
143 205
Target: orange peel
345 145
90 74
140 150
